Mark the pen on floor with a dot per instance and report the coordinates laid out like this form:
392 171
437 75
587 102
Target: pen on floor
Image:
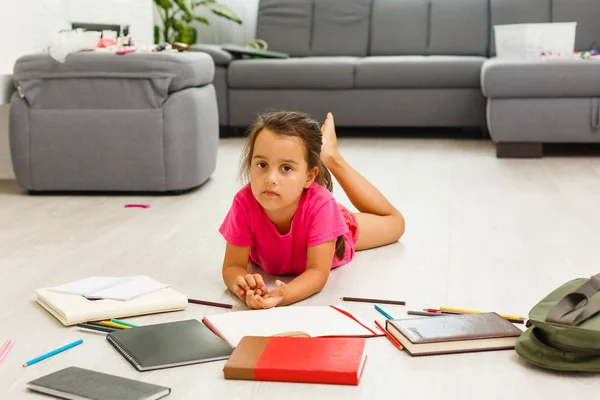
388 316
209 303
381 301
389 336
53 352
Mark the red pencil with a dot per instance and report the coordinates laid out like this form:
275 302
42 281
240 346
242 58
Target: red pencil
392 339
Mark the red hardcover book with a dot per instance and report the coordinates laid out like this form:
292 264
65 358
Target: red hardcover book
298 359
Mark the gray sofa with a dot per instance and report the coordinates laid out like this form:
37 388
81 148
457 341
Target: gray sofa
104 122
394 63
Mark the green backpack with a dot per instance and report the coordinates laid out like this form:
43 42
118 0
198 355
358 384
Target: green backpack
564 330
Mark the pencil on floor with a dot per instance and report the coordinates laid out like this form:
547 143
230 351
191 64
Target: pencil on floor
114 325
388 316
53 352
118 321
6 348
389 336
365 300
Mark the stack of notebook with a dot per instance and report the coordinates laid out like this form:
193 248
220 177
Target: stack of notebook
454 334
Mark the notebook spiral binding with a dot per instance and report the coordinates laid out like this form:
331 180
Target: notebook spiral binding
125 354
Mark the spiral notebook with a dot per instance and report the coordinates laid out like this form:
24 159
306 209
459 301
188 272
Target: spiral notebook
83 384
170 344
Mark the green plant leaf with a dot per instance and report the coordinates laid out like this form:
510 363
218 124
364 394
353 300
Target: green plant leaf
223 11
184 32
164 4
182 4
202 20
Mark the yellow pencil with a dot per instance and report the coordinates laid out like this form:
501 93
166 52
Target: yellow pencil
479 312
114 325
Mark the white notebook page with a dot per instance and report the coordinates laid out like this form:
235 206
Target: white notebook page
316 321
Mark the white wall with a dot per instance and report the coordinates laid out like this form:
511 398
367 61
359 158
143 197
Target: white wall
27 26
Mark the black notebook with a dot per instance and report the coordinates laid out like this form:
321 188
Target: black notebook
76 383
170 344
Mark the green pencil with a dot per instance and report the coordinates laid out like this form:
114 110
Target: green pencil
118 321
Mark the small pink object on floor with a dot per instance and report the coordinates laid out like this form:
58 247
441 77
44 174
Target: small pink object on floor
137 206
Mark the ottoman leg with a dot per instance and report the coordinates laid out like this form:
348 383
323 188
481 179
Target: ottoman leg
519 150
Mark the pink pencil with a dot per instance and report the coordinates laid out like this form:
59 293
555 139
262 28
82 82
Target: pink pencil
6 348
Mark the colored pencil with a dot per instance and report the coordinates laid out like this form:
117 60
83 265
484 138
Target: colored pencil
509 316
427 314
53 352
118 321
363 300
97 328
389 336
210 303
444 312
114 325
388 316
6 348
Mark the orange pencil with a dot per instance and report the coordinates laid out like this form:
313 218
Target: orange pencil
392 339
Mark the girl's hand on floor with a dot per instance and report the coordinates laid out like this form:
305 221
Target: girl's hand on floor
272 299
252 282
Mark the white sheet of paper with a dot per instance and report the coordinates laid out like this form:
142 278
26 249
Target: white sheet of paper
87 286
128 290
317 321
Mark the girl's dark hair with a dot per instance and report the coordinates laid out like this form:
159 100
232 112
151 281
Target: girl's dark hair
293 124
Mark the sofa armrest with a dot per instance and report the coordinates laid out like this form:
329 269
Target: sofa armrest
184 70
221 57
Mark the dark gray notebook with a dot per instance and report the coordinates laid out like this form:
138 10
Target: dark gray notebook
76 383
170 344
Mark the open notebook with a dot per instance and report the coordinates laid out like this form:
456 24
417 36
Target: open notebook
314 321
71 309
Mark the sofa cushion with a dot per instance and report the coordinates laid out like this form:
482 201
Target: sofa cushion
543 78
286 25
291 73
419 72
436 27
341 28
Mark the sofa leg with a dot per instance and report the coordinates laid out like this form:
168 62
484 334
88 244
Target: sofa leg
519 150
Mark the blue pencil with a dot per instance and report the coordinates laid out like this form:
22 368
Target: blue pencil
388 316
53 352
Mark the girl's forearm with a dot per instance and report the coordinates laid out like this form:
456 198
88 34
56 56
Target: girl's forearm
305 285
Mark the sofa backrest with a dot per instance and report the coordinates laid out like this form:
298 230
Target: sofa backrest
585 12
315 27
411 27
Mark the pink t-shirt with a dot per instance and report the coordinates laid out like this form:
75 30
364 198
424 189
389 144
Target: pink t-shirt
317 220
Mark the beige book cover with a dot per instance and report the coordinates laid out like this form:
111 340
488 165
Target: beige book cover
71 309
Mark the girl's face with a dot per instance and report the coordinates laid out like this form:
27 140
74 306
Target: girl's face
279 171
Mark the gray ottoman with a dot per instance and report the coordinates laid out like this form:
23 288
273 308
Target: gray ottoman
530 103
106 122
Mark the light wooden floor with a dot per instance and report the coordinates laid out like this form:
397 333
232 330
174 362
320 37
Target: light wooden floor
482 233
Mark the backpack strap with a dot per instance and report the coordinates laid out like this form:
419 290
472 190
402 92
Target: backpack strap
568 310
